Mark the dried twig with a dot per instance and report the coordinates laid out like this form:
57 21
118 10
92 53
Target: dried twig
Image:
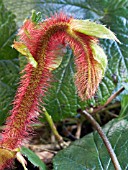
78 132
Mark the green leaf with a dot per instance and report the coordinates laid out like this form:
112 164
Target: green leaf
33 158
7 33
99 56
61 99
124 107
118 55
9 65
90 153
93 29
21 47
9 77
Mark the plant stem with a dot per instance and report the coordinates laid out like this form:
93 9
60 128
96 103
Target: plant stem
113 96
78 132
112 106
112 114
52 125
105 140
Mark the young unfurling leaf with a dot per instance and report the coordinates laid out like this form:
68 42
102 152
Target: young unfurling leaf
93 29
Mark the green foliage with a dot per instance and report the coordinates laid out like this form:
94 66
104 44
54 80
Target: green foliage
117 21
9 67
21 8
90 153
7 32
33 158
61 99
124 107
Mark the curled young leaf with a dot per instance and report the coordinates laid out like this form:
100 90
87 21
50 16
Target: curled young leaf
100 56
93 29
21 47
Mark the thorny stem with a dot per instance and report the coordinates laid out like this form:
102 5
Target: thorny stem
105 140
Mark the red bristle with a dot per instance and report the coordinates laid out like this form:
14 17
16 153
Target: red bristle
35 81
33 35
89 73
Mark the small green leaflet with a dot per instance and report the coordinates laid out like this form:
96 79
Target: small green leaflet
25 51
93 29
99 56
36 17
33 158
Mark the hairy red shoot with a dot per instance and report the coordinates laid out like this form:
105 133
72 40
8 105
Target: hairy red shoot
40 43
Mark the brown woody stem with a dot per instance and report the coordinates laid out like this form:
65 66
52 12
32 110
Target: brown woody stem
113 96
105 140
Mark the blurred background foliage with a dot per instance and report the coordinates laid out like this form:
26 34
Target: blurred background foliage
61 100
